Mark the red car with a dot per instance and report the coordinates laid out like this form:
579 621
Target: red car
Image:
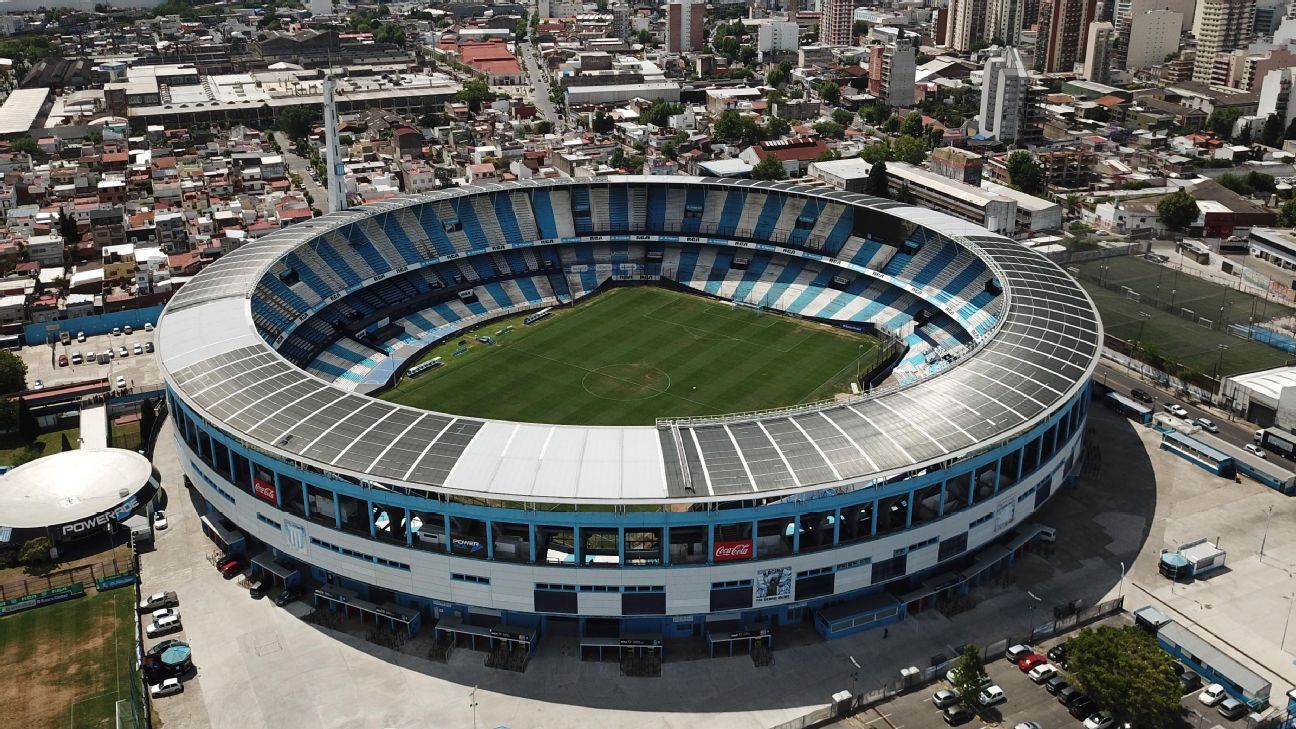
232 566
62 360
1030 661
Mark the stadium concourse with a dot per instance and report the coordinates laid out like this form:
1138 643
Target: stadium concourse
846 514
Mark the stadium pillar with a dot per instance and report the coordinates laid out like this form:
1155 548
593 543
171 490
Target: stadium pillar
998 471
836 527
664 545
909 508
531 540
445 520
873 522
373 520
337 511
796 534
490 540
940 507
710 530
578 547
409 528
621 547
306 507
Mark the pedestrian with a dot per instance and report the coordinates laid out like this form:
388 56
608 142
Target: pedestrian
885 633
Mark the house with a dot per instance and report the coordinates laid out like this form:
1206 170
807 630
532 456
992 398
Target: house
795 153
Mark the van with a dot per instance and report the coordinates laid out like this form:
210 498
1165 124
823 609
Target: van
1047 534
1259 436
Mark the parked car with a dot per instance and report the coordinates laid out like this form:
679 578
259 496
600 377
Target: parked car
148 347
1067 694
1100 720
990 696
257 590
1232 709
1082 707
1029 725
1028 662
162 626
286 596
38 385
1254 450
159 600
159 519
1042 673
63 360
231 567
1212 695
1017 652
80 336
76 358
1176 410
123 351
116 331
1207 425
950 676
168 687
1141 396
944 698
165 612
956 715
120 382
1057 653
1189 682
148 326
1056 684
137 349
127 329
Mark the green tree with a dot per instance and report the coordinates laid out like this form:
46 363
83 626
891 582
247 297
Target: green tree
876 113
602 123
1127 673
543 126
776 77
1221 121
727 47
1271 132
659 112
35 551
912 124
877 152
769 168
13 373
829 91
67 227
828 155
392 33
474 93
909 149
1287 213
1025 174
747 55
892 124
645 37
1291 130
1236 183
25 144
777 127
296 121
969 673
876 182
843 117
830 129
8 418
1177 210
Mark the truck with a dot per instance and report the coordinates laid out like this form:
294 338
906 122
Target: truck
1277 440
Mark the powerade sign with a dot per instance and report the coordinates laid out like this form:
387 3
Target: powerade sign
465 545
98 522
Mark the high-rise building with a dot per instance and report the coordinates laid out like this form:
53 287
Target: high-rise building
1063 25
333 150
1005 89
1220 27
1269 13
1097 64
892 66
836 21
1004 21
684 21
1153 35
965 24
774 35
1276 95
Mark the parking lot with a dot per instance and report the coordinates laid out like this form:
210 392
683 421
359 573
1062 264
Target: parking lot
1026 702
138 369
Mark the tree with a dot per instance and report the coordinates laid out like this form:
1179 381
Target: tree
843 117
828 155
876 183
877 152
13 373
393 34
35 551
769 168
1221 121
912 125
892 124
829 91
1025 174
776 77
1291 130
830 129
909 149
968 673
660 112
1271 132
727 47
1127 673
67 227
777 127
1287 213
25 144
602 123
8 418
474 93
747 55
1177 210
296 121
645 37
543 126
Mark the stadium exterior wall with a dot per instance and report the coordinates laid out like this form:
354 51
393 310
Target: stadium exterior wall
441 583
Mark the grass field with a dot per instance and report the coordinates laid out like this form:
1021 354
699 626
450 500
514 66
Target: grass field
1181 336
14 450
66 665
631 355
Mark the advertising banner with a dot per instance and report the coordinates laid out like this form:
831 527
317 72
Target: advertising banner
732 551
265 490
58 594
774 584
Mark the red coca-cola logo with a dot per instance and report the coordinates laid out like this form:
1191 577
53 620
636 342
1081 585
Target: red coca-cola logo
265 491
729 551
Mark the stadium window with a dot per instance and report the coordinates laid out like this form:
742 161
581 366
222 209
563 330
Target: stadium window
429 531
730 583
389 522
893 513
774 537
468 537
812 573
322 509
290 493
474 579
643 546
1030 457
512 541
817 529
220 459
555 545
857 522
1008 466
981 521
927 504
242 473
855 563
268 521
355 515
688 544
986 480
1049 446
600 547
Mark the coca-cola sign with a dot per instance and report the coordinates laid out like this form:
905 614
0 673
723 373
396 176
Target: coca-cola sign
265 490
731 551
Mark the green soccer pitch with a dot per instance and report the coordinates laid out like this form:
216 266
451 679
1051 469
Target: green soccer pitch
631 355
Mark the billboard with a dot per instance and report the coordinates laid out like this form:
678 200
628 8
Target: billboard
732 551
263 488
774 584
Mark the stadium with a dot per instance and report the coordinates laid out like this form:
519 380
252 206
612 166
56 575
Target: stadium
926 394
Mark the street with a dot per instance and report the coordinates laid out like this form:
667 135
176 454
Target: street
301 167
539 84
1235 432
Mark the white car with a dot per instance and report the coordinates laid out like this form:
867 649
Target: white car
123 351
1042 673
137 349
159 519
148 326
944 698
38 385
1254 450
950 676
1212 694
80 336
1176 410
1101 720
1207 425
166 612
120 382
162 626
126 329
157 600
1017 652
168 687
991 695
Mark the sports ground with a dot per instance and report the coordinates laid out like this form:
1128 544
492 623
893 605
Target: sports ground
66 665
1180 316
631 355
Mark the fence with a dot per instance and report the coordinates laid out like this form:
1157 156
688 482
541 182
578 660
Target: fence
989 652
87 574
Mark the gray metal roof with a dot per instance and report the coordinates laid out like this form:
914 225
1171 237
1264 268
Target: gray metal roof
1044 349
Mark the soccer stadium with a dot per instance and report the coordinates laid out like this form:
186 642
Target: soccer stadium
629 408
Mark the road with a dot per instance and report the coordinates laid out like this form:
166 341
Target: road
1235 432
539 84
301 167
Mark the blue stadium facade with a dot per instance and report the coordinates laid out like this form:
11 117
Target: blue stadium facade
849 513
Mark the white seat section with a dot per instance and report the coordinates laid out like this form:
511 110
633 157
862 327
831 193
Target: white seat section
347 253
712 210
599 208
447 212
560 200
822 299
675 198
787 219
732 278
760 290
751 211
525 216
880 257
417 234
832 213
489 222
638 208
501 263
382 243
702 270
466 269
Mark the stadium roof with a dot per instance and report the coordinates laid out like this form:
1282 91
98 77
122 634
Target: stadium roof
1041 354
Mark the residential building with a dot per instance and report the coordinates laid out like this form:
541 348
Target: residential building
1276 95
837 22
958 164
774 36
796 153
684 21
1097 63
1005 90
46 250
1153 35
1220 26
1005 20
892 64
965 24
1063 25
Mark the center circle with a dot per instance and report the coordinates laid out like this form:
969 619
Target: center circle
626 382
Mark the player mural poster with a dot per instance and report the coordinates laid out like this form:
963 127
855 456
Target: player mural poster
774 584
